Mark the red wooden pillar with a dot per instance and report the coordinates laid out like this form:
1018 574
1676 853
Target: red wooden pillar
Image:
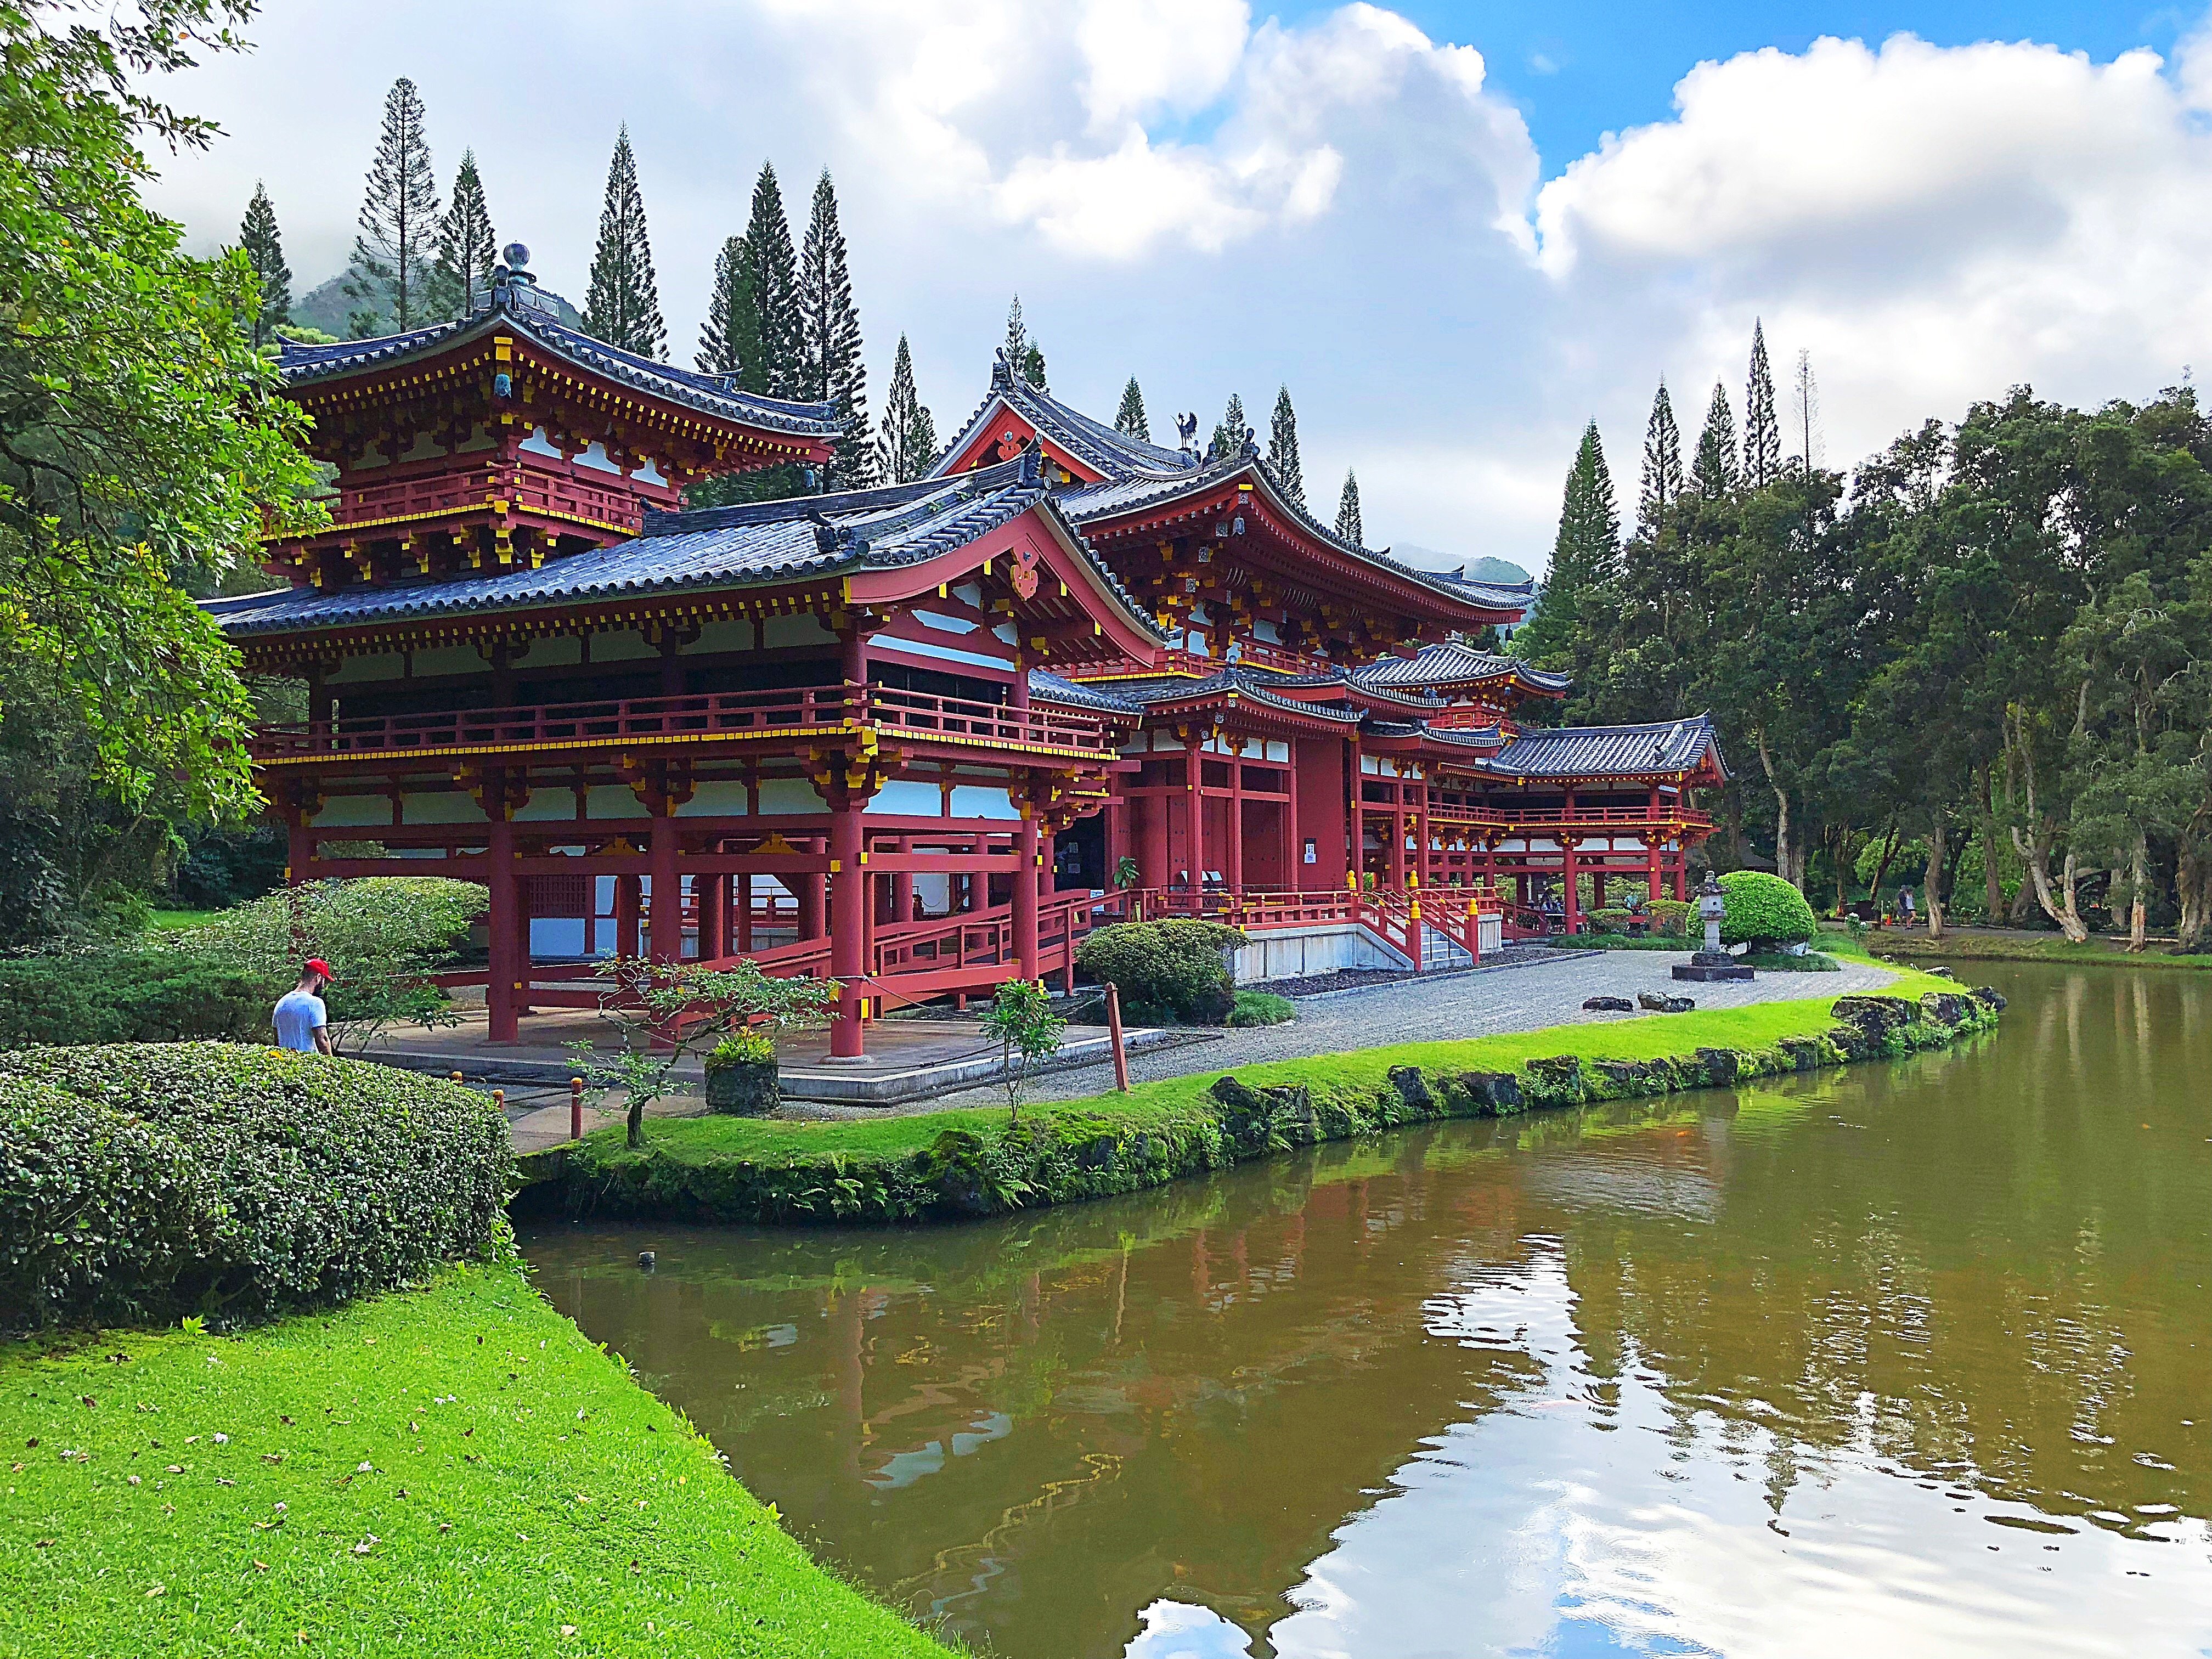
504 916
1421 824
299 848
1232 869
1026 876
665 901
1158 871
1397 833
745 902
808 889
1195 806
1294 849
903 886
1572 875
848 902
712 893
1117 833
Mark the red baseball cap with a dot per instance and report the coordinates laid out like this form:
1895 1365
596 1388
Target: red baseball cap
317 965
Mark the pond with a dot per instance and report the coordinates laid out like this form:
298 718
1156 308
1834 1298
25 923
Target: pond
1905 1358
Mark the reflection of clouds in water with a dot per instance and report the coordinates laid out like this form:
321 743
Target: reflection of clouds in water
1174 1630
906 1468
1566 1525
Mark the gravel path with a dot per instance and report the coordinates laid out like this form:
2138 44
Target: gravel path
1481 1003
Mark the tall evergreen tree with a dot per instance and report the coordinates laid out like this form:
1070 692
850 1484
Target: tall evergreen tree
727 337
1585 556
1229 436
1283 448
1022 351
1129 419
830 341
770 281
1762 435
1662 462
264 251
908 443
622 306
389 278
1347 511
1714 474
1805 406
467 244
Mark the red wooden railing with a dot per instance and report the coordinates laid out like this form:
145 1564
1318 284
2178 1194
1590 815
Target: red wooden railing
707 715
1507 817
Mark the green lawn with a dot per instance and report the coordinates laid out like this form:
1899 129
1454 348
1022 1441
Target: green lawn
455 1470
171 921
1957 947
715 1138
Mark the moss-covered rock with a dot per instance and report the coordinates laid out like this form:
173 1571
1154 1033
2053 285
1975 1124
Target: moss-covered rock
1492 1094
1555 1081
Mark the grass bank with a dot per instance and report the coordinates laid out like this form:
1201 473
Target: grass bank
1971 945
445 1471
974 1162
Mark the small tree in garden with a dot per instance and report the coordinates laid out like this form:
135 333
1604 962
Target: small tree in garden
664 1012
1022 1024
384 936
1126 872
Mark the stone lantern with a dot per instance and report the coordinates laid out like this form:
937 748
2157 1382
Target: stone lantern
1712 962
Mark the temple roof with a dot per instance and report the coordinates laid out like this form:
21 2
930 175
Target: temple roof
1073 693
755 544
1452 664
1654 749
1105 449
509 308
1253 685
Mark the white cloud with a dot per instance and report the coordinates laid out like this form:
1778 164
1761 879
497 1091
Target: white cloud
1144 55
1932 223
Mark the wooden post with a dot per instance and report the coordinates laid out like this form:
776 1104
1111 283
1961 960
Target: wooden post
745 915
1025 893
576 1109
630 899
848 936
665 914
1294 850
1233 861
505 954
1195 806
1114 1032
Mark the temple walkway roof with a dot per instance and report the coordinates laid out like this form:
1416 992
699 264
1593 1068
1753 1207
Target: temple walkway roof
755 544
1451 664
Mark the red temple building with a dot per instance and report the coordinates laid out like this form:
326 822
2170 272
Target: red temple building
908 736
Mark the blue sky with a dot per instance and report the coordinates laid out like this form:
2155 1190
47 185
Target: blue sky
1456 234
1577 72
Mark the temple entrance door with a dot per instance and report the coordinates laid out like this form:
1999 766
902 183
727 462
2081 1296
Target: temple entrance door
1263 846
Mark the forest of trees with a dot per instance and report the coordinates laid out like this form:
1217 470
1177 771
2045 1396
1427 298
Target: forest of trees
1978 661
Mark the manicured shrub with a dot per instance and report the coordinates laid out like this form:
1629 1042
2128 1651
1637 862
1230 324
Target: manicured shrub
1172 971
1261 1008
233 1181
1610 920
1764 911
151 995
1669 916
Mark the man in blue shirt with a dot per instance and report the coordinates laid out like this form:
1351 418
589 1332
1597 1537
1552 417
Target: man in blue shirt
302 1023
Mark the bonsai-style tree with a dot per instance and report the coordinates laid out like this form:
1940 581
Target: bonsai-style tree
1764 912
664 1013
384 936
1027 1031
1125 873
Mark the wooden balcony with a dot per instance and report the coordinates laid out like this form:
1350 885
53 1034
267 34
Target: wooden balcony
826 711
1588 819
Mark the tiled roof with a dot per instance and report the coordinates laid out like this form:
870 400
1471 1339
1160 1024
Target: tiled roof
1247 684
508 307
755 544
1453 663
1099 446
1071 694
1659 746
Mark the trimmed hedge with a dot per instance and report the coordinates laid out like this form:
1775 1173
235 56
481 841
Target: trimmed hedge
1168 971
1059 1155
142 1181
1764 910
155 995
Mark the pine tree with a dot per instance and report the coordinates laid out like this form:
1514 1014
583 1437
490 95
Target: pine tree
1283 448
467 244
622 306
1585 554
1347 511
1129 419
1024 354
1762 436
390 276
264 251
908 443
1229 436
1714 473
771 273
829 342
727 337
1805 400
1662 463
